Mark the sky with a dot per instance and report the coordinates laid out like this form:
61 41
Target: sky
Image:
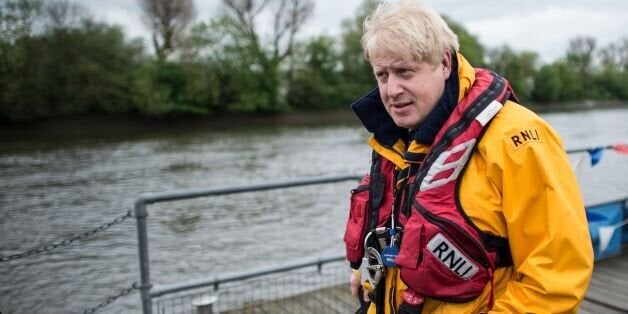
542 26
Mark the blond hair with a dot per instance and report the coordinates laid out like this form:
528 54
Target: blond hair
407 30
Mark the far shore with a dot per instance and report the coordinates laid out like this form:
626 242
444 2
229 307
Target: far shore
120 126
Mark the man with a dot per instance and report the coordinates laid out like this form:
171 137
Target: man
470 205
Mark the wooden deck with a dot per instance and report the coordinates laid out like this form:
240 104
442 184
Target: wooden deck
608 294
608 291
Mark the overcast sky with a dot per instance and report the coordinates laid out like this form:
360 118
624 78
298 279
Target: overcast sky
543 26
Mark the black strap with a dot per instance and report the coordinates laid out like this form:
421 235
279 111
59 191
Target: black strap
376 191
364 306
501 246
407 308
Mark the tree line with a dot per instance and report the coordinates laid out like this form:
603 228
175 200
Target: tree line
57 61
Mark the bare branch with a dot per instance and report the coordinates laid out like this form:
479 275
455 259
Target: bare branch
289 16
62 14
168 20
300 10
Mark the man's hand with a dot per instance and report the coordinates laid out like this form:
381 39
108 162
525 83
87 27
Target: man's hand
354 282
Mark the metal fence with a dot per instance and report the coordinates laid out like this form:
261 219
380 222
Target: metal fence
292 288
225 293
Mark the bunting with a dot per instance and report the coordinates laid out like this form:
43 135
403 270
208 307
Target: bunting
596 155
584 156
621 148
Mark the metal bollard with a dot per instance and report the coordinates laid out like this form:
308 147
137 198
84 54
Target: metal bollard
205 304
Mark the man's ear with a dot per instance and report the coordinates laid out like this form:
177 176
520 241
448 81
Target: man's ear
446 63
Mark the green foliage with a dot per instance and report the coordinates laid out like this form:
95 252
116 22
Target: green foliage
518 68
249 74
357 74
65 72
166 90
316 79
547 84
470 47
17 18
223 66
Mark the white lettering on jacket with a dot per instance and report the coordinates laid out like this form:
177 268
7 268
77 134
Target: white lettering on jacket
449 255
441 164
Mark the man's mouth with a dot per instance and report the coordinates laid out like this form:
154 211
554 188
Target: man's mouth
400 105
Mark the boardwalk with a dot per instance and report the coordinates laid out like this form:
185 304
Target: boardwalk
608 293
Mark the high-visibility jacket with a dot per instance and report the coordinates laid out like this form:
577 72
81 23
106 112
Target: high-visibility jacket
518 184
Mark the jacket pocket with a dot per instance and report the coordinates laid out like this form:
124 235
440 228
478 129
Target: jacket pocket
438 265
410 252
354 232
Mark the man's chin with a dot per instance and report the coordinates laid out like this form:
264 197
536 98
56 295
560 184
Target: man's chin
405 123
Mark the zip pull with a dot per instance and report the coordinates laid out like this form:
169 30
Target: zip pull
390 252
393 229
392 223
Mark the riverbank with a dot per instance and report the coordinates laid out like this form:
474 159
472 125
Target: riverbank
123 126
107 127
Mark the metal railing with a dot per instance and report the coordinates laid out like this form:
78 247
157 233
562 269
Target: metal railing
296 274
298 287
141 213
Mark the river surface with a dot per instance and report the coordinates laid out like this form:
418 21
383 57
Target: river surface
52 190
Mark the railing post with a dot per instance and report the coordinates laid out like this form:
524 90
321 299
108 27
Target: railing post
142 239
205 305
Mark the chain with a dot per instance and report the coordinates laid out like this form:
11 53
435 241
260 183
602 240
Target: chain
109 300
66 242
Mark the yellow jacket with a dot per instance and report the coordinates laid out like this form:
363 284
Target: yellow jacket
519 185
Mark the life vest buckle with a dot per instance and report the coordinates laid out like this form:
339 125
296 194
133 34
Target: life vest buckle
372 267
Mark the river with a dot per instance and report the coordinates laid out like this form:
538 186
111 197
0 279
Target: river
51 190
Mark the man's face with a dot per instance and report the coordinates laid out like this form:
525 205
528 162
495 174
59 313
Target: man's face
409 89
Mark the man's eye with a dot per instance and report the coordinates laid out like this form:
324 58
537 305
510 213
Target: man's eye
403 72
381 75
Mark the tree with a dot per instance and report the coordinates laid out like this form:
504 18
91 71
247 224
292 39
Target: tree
17 18
240 25
580 55
62 14
168 20
612 76
70 66
470 47
317 77
518 68
547 84
357 74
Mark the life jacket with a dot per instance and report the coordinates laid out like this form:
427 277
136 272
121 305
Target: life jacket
370 207
443 255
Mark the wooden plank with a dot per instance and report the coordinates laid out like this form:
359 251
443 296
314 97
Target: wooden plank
332 304
588 307
609 284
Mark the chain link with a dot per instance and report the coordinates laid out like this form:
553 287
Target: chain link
66 242
109 300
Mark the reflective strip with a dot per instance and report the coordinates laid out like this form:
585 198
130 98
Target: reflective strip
489 112
440 166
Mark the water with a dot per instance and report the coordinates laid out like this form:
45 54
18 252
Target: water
53 190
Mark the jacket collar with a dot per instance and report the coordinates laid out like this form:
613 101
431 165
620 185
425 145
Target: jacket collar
426 132
390 140
371 112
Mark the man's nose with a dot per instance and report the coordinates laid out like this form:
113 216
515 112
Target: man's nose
393 88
